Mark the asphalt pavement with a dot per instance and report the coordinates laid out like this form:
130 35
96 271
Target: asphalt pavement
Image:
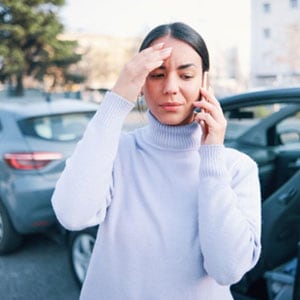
39 270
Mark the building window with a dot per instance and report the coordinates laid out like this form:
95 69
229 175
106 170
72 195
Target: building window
267 33
267 7
293 3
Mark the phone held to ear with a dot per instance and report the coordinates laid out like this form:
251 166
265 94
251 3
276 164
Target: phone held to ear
205 85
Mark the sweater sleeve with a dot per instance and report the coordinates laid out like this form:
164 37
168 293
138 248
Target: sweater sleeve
229 213
81 197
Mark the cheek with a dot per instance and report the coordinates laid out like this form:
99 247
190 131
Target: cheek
146 89
148 96
192 93
150 91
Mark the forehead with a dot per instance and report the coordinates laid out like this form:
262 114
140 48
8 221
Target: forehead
181 51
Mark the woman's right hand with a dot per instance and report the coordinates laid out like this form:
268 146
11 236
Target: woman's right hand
134 73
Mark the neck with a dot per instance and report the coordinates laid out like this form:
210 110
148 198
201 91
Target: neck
178 137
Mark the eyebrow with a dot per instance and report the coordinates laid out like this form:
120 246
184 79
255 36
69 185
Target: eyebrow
185 66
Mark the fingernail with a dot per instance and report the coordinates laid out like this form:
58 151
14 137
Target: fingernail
166 50
158 46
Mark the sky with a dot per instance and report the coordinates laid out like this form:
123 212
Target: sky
223 21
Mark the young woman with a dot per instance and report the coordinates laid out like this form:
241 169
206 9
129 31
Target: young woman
179 213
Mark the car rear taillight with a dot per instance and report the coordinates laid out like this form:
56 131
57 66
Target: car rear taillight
30 160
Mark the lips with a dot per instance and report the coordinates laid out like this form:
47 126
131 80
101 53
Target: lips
171 106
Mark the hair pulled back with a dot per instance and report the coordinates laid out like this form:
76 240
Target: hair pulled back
183 32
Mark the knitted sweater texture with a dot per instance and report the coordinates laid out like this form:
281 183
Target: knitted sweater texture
178 221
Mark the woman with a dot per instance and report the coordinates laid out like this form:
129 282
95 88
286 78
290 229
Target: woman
179 212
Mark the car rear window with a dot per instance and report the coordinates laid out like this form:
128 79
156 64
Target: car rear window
60 127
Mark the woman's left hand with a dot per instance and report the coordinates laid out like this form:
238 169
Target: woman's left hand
211 118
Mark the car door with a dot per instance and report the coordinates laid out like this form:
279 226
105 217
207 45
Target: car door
281 227
281 208
268 133
280 235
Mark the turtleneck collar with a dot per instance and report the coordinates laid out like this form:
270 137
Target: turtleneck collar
181 137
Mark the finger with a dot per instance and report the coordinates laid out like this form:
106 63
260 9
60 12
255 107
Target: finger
214 131
209 96
146 61
156 50
159 56
157 46
210 108
212 115
152 59
206 118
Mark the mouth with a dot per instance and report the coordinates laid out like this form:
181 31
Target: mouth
171 106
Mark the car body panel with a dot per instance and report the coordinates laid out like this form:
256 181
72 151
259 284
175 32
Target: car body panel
273 141
26 194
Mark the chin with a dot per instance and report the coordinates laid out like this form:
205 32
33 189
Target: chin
175 120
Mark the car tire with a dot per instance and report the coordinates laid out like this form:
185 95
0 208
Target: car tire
10 239
81 245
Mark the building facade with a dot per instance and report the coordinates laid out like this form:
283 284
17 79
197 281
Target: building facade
275 42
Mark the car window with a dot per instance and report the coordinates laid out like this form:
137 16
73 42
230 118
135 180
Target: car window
61 127
241 119
288 130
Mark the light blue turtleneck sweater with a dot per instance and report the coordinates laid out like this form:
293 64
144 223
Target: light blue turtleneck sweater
178 221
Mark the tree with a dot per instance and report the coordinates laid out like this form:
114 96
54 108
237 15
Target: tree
30 44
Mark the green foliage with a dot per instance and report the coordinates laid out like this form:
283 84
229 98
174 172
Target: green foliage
29 43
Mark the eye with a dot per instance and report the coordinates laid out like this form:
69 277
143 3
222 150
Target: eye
187 76
156 75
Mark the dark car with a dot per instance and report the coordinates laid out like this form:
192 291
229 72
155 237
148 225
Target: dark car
35 140
266 125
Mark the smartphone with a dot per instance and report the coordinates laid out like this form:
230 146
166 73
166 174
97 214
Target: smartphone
205 84
205 81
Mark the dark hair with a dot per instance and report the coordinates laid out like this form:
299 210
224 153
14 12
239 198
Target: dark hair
183 32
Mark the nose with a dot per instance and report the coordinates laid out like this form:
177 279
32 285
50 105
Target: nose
170 85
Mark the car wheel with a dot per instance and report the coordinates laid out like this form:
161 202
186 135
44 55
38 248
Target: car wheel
10 240
80 251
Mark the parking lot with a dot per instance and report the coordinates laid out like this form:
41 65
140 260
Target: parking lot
39 270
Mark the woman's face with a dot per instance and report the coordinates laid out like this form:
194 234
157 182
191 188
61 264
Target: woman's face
171 89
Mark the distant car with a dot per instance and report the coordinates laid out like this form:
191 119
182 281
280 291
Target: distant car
265 125
35 140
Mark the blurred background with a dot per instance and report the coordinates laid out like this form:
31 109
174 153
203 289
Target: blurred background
76 48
